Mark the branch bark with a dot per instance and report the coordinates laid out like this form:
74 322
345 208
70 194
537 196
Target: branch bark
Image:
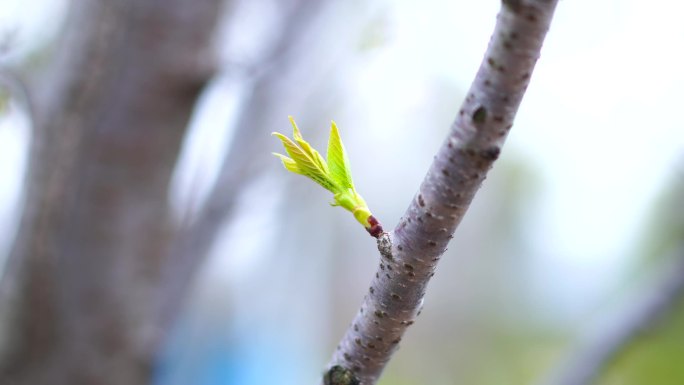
110 118
411 251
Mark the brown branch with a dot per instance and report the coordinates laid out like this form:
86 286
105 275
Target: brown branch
410 253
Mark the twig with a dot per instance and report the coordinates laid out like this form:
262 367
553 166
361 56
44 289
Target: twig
410 253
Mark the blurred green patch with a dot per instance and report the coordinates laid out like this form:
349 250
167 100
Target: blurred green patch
656 357
664 233
394 380
4 100
376 34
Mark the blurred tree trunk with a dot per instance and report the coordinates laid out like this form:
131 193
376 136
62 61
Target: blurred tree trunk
111 114
275 74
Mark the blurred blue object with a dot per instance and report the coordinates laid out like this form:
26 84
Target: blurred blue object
240 357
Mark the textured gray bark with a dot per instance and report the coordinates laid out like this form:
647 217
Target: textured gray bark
411 251
586 364
110 117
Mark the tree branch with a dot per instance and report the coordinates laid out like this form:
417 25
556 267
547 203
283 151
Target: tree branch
193 243
590 359
410 253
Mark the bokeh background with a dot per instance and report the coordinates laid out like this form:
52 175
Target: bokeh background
581 213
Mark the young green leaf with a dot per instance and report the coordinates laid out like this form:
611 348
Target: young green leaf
334 174
306 162
337 159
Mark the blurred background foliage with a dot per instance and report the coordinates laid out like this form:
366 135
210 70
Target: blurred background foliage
654 356
582 209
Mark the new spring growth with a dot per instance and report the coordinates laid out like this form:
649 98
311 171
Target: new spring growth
334 174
